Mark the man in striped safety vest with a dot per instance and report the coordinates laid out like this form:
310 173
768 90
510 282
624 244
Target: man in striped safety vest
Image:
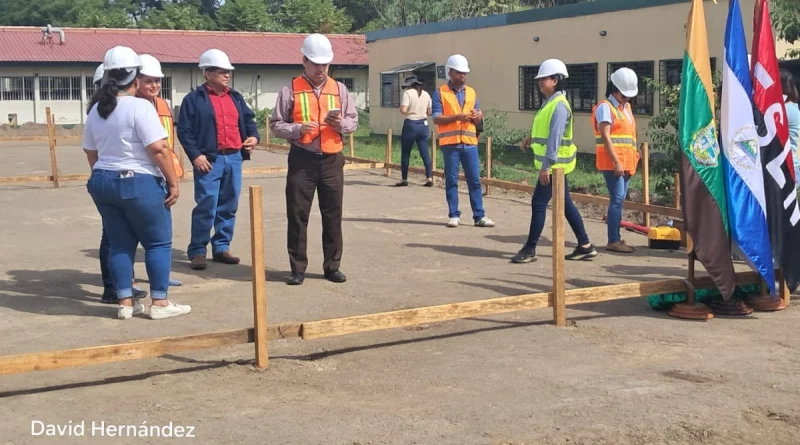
456 112
312 113
616 154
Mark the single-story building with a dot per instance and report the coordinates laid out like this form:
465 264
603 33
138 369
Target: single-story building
39 70
504 52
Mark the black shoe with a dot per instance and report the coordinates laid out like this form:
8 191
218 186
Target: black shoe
428 183
296 279
582 253
402 183
335 276
524 256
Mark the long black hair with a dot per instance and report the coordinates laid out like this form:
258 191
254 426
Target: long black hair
95 97
110 90
789 87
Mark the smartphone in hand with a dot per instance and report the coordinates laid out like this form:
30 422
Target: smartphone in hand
335 112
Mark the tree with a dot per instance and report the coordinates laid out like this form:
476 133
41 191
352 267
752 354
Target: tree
177 16
245 15
786 20
308 16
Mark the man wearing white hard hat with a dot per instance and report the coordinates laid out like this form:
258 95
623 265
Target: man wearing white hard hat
617 156
133 184
312 113
456 113
553 146
217 131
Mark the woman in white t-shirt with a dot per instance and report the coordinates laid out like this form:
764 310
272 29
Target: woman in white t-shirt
416 107
133 184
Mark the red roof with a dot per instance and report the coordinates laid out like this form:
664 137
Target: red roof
24 44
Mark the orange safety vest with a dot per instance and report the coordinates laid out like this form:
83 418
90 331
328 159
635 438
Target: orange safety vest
310 108
165 114
623 138
457 132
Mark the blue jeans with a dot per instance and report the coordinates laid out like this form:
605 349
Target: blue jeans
415 131
617 191
216 194
133 212
467 156
541 197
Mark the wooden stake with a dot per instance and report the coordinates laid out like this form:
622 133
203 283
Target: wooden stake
266 130
677 194
388 152
51 134
352 145
488 162
559 308
259 280
433 156
783 292
646 180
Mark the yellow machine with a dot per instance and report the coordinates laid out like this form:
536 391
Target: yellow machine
664 238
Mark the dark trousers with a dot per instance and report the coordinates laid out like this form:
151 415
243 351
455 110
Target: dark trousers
541 197
323 173
415 131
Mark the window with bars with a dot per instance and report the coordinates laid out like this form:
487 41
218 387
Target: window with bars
166 88
390 90
60 88
90 87
670 74
644 101
530 97
581 86
348 82
16 88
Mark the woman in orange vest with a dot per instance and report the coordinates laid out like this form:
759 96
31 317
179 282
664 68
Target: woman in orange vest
617 155
150 77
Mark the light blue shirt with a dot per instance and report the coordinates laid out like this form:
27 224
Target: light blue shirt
793 118
603 113
558 125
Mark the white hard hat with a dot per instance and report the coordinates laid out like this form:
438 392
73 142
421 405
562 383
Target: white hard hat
121 57
626 82
98 73
215 58
552 67
457 62
317 48
150 66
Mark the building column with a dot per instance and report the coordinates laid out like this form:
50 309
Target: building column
83 97
36 99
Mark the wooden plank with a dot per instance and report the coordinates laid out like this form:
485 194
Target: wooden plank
71 358
676 196
388 160
488 162
646 180
433 157
259 283
784 293
559 278
51 133
433 314
352 145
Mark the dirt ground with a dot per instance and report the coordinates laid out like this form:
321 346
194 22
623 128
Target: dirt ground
622 374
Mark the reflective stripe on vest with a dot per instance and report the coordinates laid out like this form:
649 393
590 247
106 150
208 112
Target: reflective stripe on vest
540 133
310 108
623 139
457 132
165 115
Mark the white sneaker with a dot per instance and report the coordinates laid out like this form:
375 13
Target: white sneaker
126 312
171 310
453 222
484 222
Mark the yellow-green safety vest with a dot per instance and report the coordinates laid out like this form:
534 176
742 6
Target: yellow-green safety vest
540 133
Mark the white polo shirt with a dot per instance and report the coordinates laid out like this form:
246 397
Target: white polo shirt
121 140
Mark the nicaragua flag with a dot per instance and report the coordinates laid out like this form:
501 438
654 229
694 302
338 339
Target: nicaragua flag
744 176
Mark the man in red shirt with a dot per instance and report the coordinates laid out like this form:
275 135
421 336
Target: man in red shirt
217 131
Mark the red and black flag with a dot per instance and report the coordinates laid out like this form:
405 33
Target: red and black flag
783 211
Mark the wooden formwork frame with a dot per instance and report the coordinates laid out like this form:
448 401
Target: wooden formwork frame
261 332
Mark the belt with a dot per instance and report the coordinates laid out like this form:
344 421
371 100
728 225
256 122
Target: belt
227 151
315 154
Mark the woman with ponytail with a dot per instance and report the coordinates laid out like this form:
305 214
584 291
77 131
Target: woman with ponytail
133 184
